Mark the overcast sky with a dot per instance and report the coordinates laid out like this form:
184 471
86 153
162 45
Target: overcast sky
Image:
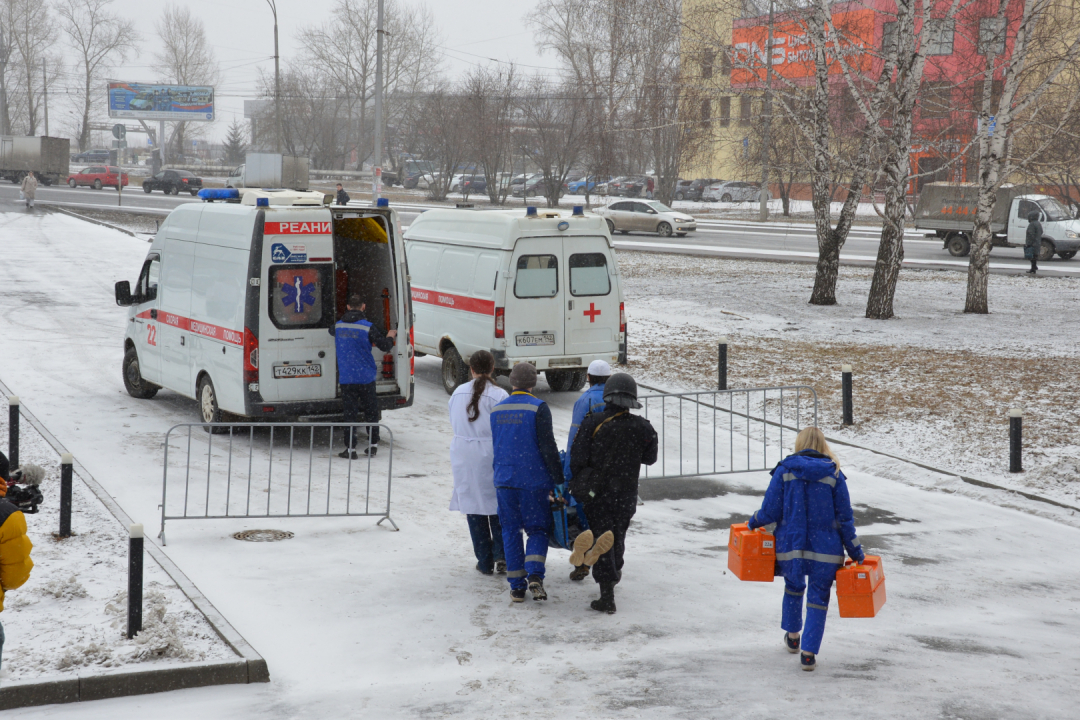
242 33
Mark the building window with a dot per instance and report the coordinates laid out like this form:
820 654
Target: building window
888 38
935 100
725 111
706 111
938 36
744 110
725 61
707 60
991 35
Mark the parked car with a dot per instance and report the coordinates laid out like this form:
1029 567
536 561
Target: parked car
474 184
171 182
578 186
99 155
98 176
634 186
735 191
605 187
693 189
534 186
646 216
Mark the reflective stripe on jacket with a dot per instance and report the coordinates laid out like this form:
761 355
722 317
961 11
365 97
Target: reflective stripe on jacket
808 500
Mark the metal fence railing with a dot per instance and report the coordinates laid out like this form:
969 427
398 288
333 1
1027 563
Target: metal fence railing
726 431
272 470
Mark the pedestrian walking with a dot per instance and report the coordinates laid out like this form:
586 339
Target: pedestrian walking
527 469
808 501
354 338
471 458
1033 241
591 401
649 186
342 197
29 189
606 459
15 547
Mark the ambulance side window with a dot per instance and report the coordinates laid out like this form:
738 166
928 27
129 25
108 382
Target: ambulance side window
537 276
147 287
589 274
301 296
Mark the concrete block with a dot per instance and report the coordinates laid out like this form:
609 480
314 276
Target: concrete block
258 671
42 691
142 682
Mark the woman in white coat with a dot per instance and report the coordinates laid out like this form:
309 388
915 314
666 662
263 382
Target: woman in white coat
471 457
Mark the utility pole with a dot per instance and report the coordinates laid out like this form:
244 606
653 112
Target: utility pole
763 197
376 158
4 51
45 95
277 77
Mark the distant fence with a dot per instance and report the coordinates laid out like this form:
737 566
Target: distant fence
726 431
217 471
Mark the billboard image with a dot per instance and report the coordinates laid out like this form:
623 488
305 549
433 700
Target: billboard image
144 101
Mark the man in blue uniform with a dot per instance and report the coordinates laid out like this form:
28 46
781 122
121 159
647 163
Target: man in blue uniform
527 468
354 338
591 401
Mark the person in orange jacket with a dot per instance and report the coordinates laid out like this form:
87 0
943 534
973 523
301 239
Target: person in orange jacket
15 546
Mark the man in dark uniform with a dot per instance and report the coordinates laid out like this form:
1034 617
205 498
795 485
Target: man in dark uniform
354 338
606 460
342 197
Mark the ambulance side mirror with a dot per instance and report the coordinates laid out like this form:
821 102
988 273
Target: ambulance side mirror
123 293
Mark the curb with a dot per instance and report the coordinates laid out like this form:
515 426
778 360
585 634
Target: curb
916 463
251 668
65 211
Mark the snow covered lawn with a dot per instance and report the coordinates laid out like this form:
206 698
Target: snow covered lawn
932 384
355 620
71 615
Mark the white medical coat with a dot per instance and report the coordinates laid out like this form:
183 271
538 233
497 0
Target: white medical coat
471 452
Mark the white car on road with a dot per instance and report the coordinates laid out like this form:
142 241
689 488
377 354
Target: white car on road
646 216
732 192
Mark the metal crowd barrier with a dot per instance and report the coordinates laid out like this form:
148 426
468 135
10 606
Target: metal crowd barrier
216 471
726 431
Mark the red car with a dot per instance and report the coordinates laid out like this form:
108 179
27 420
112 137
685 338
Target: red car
97 176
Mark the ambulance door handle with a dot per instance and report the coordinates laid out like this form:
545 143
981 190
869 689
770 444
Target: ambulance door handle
571 305
182 338
153 314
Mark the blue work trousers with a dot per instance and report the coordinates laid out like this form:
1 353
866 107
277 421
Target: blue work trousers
817 607
487 540
527 510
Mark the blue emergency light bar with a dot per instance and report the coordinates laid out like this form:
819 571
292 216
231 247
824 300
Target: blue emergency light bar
211 194
579 211
262 202
530 211
382 202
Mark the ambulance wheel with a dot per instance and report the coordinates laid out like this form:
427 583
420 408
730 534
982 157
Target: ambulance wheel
663 230
209 411
559 380
454 370
133 379
580 376
610 225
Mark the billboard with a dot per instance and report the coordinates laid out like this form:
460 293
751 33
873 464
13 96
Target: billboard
145 101
793 54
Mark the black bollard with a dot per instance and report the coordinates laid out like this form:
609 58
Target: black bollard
65 494
721 363
849 410
13 432
1016 445
135 580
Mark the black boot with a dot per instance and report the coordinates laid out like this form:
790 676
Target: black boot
606 603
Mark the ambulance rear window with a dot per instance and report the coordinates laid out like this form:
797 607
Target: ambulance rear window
537 276
301 296
589 274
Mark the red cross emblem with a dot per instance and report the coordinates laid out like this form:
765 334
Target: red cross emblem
592 312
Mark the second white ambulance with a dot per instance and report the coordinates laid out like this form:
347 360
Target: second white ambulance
537 287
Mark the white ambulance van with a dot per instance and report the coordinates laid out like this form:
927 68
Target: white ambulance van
533 287
235 298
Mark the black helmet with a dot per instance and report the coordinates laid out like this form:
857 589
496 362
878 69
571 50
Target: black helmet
621 390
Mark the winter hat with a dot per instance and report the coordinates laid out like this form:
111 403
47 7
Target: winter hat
599 368
523 376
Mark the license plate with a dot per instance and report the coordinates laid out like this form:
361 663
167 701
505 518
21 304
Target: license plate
297 371
533 340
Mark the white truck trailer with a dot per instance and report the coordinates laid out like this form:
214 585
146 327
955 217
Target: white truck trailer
47 157
271 170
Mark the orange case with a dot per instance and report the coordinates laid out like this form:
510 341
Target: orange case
751 553
860 589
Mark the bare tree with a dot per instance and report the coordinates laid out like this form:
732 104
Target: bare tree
183 57
443 137
491 104
99 39
31 34
554 130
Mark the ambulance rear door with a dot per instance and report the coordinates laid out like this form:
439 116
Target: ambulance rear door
296 349
591 298
534 315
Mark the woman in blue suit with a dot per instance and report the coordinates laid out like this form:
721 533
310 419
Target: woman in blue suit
808 501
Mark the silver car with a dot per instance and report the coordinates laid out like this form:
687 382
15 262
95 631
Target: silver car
646 216
732 192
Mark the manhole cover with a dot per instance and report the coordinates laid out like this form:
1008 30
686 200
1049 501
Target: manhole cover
263 535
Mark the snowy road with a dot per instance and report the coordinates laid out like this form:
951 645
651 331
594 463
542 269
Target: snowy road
358 621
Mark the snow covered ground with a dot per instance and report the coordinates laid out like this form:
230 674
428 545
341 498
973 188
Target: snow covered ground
71 616
359 621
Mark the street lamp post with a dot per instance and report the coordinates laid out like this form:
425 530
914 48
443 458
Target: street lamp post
763 197
376 158
277 78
